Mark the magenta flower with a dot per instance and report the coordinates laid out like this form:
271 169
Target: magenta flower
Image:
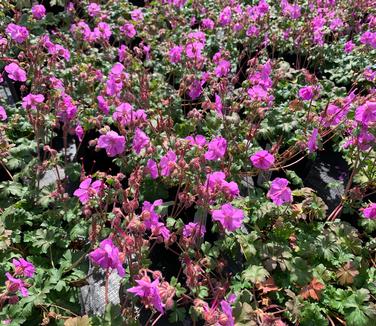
16 284
225 16
112 143
125 114
129 30
152 168
168 163
149 216
137 15
3 114
23 268
15 72
218 105
279 192
370 211
140 141
102 31
312 141
148 291
262 160
349 46
216 149
215 182
175 54
307 93
93 9
107 256
198 140
193 50
79 132
366 113
227 310
38 11
103 105
230 217
207 23
159 229
88 190
258 93
31 101
368 38
194 230
17 33
223 68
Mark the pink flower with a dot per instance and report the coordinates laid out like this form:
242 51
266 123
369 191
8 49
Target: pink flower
102 31
194 230
23 268
79 132
349 46
32 101
93 9
137 15
112 142
168 163
38 11
3 114
126 115
15 72
129 30
207 23
198 140
159 229
103 105
370 211
152 168
262 160
312 141
216 149
15 284
193 50
366 113
140 141
218 105
148 291
227 310
149 216
279 192
175 54
230 217
88 190
17 33
258 93
223 68
215 182
225 16
307 93
368 38
107 256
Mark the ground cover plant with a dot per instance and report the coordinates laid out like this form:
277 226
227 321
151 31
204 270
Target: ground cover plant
178 146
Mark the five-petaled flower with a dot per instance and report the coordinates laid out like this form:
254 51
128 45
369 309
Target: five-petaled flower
15 72
149 292
229 216
88 189
107 256
216 149
23 268
112 142
262 160
279 192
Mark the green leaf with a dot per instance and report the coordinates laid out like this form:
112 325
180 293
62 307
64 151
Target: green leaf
255 274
